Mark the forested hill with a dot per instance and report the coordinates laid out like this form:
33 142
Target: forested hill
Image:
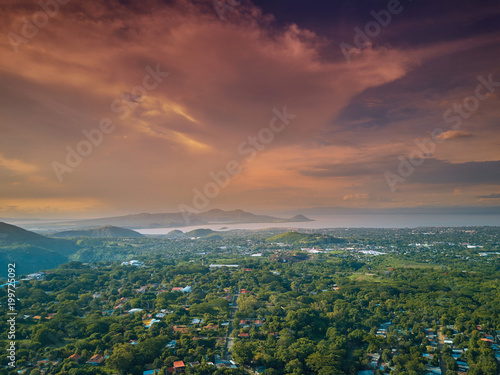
30 251
102 232
305 238
10 234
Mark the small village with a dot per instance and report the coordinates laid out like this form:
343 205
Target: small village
441 348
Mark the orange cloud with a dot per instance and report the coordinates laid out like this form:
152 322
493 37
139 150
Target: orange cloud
225 79
454 134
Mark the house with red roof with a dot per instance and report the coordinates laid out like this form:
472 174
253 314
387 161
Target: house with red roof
96 360
181 329
179 367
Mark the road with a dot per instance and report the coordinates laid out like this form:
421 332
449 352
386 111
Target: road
442 364
229 337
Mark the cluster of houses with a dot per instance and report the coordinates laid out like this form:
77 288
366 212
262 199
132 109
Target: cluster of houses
495 347
432 337
186 289
382 331
143 289
95 360
154 287
35 276
462 364
178 368
135 263
197 324
247 323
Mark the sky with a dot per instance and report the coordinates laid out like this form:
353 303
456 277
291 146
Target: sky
126 106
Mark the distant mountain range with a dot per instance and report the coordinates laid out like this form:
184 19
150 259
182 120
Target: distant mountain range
430 210
33 252
102 232
170 220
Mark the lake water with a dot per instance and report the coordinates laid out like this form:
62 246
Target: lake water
354 221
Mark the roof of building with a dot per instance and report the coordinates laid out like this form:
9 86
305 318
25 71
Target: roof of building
178 364
96 359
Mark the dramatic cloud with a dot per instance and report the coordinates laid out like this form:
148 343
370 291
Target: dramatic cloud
159 95
454 134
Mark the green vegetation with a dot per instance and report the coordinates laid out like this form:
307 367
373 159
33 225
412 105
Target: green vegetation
396 302
32 251
200 233
102 232
305 239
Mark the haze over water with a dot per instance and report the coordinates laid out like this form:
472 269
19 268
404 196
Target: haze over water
352 221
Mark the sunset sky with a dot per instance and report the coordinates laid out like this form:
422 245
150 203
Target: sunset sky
179 86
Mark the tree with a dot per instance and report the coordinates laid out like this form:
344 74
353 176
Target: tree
46 336
122 358
243 352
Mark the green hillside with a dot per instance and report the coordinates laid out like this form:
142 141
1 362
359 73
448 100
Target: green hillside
200 232
305 238
102 232
28 259
30 251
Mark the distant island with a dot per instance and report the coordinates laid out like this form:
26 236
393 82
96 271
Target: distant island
181 219
102 232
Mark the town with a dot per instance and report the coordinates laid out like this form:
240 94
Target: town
353 301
